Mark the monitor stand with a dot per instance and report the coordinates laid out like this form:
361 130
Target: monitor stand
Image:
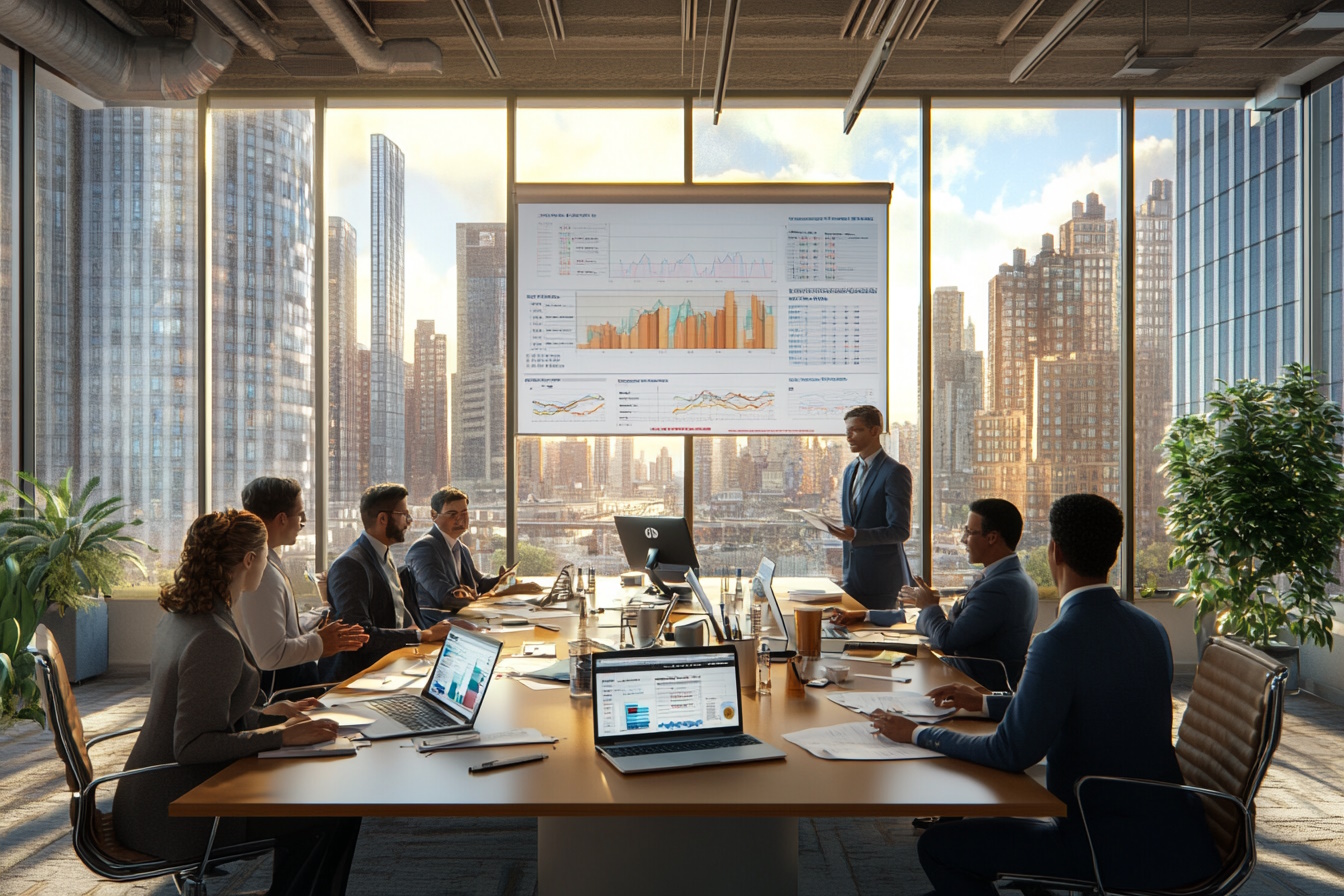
672 592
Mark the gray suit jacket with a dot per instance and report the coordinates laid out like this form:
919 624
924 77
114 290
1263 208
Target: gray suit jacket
203 685
875 567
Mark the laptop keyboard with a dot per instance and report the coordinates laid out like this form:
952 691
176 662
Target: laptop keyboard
412 712
685 746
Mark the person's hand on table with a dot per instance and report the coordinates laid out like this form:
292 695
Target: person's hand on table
962 696
844 533
893 727
292 708
465 592
919 595
847 617
338 637
439 630
458 622
299 732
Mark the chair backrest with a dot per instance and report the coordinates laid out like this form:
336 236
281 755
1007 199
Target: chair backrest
1230 730
62 712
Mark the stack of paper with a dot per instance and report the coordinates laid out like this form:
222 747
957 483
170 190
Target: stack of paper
341 746
818 520
489 739
855 740
913 705
814 595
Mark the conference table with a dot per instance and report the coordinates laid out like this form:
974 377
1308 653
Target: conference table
734 827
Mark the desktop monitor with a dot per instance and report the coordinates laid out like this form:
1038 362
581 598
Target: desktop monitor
661 546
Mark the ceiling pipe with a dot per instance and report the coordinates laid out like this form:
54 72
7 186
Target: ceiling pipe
407 56
119 17
236 19
78 42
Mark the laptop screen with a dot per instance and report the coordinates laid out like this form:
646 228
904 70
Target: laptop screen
466 665
765 574
656 693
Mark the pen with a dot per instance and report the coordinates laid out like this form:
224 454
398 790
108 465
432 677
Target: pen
723 614
549 628
505 763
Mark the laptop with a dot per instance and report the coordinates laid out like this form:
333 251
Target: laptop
672 707
452 696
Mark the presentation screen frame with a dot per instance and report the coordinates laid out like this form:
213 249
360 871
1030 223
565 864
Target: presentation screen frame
726 342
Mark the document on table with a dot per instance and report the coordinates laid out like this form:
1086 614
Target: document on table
384 683
817 520
347 723
814 595
911 704
855 740
341 746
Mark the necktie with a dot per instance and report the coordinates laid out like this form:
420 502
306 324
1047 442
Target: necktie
859 475
457 560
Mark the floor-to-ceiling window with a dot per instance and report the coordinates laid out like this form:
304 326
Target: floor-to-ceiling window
416 307
570 487
744 486
117 353
9 378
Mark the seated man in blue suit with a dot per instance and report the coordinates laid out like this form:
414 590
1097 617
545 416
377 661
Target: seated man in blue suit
875 493
1095 699
446 579
995 618
364 589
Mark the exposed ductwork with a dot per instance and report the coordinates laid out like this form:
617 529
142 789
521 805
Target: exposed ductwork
240 23
407 56
82 45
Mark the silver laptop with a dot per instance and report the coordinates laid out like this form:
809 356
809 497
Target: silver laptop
452 696
833 637
673 707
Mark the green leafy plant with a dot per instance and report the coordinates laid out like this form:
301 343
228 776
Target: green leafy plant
68 549
18 672
1255 505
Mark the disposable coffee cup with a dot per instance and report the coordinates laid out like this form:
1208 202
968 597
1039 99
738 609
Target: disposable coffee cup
646 629
807 621
746 664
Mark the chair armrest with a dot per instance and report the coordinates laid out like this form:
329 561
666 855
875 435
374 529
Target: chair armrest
1144 782
950 658
282 694
111 734
125 773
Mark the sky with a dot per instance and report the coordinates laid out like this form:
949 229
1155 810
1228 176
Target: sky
1001 177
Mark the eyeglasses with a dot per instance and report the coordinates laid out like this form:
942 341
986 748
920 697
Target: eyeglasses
967 531
409 518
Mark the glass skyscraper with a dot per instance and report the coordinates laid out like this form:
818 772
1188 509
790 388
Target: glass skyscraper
387 352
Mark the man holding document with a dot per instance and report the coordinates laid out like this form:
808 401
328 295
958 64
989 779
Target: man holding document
875 494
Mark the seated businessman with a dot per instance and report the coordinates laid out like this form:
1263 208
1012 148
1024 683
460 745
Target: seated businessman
1095 699
364 589
992 624
446 578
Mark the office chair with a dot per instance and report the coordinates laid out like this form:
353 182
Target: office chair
950 659
94 836
1226 739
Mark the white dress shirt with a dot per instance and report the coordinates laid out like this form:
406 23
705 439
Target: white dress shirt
268 620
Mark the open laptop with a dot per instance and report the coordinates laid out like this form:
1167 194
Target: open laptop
452 696
833 637
673 707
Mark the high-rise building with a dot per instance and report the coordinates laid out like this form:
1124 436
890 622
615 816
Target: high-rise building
958 393
1152 355
364 364
427 414
345 437
529 468
479 409
601 462
567 469
622 484
1237 277
387 256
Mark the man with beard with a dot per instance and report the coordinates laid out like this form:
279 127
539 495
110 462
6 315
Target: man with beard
364 589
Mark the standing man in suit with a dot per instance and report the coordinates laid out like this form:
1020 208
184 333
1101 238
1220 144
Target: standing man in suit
1095 699
446 579
285 644
995 618
875 495
364 588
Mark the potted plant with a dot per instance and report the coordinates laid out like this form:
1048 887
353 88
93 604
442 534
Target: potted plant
70 553
18 673
1255 506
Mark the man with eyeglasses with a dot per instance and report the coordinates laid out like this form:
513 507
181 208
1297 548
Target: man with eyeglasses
364 588
285 643
991 625
446 578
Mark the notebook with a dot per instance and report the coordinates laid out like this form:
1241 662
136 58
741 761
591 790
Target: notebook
453 692
671 707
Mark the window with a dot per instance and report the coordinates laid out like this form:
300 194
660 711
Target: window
8 285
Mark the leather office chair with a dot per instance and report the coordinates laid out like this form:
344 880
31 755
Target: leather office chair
1227 737
95 838
951 659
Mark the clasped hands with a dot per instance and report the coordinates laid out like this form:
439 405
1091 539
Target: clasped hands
901 730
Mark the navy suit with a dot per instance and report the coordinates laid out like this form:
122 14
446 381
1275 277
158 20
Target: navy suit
1095 699
430 562
359 594
875 567
994 619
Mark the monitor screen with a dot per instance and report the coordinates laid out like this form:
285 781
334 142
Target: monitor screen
669 691
670 535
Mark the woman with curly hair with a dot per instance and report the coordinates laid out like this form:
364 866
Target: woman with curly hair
202 715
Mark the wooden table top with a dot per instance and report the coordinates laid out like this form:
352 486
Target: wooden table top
389 778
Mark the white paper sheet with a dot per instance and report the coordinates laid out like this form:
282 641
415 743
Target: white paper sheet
817 520
538 685
911 704
384 683
855 740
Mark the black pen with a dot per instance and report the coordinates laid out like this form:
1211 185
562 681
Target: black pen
505 763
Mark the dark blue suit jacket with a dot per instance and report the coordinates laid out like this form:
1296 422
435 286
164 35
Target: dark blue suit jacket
359 595
875 567
431 564
995 619
1095 699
